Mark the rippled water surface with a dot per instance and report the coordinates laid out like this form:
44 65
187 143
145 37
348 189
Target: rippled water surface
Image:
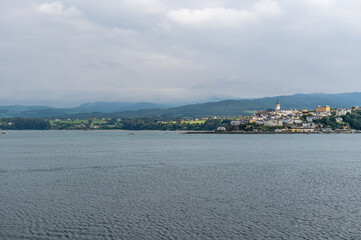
167 185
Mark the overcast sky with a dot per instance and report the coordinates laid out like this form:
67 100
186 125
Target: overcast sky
64 53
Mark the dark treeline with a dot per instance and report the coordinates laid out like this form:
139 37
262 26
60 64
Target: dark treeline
154 124
330 122
353 120
24 124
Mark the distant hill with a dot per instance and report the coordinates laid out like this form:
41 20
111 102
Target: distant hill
20 108
220 108
109 107
241 107
102 107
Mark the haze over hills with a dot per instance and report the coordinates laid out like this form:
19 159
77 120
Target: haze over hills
109 107
220 108
246 106
102 107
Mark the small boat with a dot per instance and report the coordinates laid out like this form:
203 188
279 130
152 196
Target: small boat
131 133
3 132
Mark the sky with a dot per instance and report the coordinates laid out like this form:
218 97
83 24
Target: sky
64 53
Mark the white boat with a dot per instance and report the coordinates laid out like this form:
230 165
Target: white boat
3 132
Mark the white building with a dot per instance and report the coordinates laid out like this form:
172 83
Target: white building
342 111
310 119
273 123
339 119
221 129
278 106
308 125
288 121
297 121
236 123
327 129
320 115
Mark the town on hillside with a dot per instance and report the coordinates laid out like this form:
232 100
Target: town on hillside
323 119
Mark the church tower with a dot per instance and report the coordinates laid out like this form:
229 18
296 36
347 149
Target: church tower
278 106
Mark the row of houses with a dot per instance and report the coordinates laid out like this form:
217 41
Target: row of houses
293 120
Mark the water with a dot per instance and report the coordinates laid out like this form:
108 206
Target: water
152 185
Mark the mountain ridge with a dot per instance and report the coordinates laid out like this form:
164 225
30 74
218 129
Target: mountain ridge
219 108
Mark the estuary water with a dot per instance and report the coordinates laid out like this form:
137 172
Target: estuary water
167 185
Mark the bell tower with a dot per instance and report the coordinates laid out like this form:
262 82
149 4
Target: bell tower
278 106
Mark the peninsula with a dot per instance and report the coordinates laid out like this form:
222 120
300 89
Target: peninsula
323 119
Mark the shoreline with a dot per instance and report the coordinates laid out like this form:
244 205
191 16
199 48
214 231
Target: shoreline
250 133
182 131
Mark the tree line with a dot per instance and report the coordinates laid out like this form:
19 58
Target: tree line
155 124
24 124
353 120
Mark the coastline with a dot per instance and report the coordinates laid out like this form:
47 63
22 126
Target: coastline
250 133
184 131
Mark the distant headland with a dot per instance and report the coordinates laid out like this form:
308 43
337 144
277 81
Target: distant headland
322 119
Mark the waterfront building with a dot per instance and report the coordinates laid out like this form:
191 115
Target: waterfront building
221 129
326 129
302 130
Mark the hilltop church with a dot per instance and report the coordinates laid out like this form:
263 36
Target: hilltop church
278 106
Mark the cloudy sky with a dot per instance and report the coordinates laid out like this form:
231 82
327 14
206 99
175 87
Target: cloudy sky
63 53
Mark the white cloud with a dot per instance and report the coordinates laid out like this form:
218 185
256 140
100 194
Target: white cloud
156 50
321 3
211 17
143 6
225 17
267 8
57 8
321 17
